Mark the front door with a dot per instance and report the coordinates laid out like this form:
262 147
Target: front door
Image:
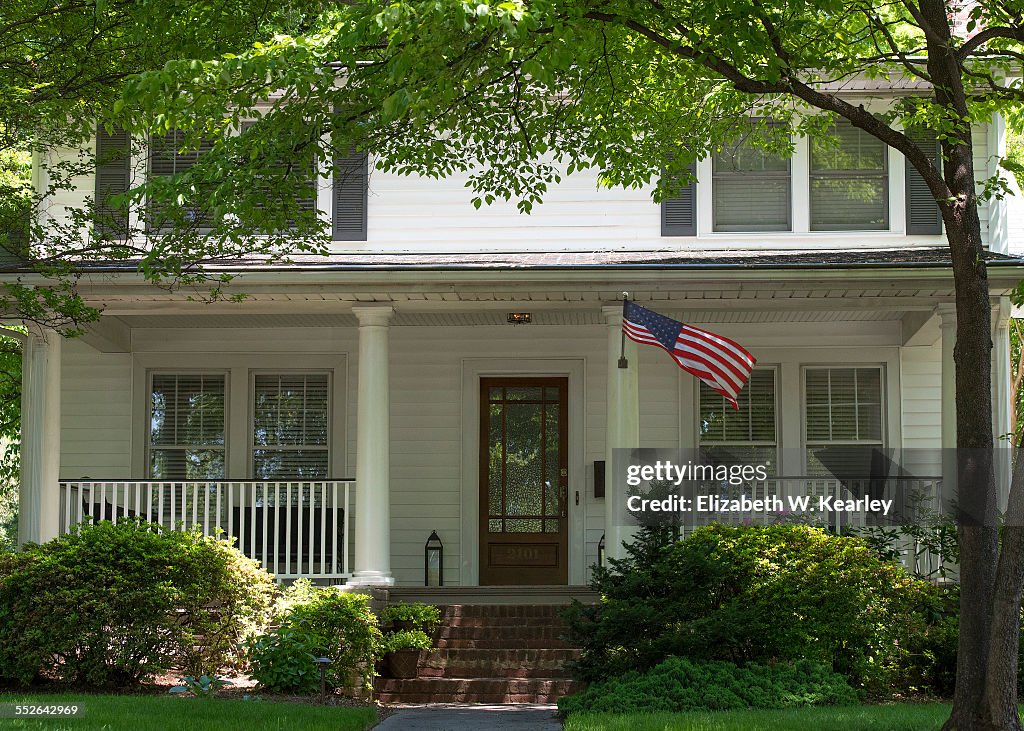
523 481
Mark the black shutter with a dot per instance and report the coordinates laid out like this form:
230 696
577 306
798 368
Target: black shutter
113 165
923 215
679 214
351 180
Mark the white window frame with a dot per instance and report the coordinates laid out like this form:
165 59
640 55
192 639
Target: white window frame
885 175
883 407
787 175
148 434
251 449
237 365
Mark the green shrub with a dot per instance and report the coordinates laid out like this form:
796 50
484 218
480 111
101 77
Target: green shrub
426 616
320 622
407 640
282 661
752 594
113 604
678 684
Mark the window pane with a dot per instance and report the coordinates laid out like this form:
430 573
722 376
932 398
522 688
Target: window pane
290 425
186 464
744 436
844 405
750 190
849 181
187 410
287 464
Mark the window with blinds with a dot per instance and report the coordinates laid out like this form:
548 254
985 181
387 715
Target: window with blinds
299 181
290 426
750 190
186 426
166 158
849 181
744 436
843 408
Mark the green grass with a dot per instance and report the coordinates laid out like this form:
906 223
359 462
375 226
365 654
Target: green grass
900 717
167 713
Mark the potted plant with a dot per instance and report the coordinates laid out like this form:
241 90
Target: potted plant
412 615
402 652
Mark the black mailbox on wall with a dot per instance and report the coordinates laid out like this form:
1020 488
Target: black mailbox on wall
599 478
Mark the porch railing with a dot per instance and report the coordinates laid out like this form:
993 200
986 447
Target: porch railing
295 528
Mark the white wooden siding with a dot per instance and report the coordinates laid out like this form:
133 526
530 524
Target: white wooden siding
427 429
96 413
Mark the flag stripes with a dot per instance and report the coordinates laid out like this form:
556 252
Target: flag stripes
722 364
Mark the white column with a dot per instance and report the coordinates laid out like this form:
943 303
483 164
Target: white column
623 424
373 476
947 326
947 407
1001 396
39 499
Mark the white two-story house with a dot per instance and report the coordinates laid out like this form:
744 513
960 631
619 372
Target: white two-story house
455 370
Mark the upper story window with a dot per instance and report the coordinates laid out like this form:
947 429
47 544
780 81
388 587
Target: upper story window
750 190
849 182
166 157
186 426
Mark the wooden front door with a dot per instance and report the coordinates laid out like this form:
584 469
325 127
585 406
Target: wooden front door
524 481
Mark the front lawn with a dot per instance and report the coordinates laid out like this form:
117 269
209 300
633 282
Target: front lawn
898 717
165 713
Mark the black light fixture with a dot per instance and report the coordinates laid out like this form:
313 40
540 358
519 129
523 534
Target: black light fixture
600 551
322 663
520 318
433 561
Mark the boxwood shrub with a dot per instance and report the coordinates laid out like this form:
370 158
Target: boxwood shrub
679 684
109 605
754 594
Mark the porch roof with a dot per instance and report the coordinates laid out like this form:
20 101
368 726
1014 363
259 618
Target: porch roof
671 259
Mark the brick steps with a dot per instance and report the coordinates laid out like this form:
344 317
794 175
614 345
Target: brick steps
474 690
490 653
496 663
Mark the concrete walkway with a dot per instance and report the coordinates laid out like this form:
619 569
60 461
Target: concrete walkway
465 717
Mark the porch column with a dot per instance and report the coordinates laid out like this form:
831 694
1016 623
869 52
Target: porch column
373 435
1001 397
947 326
39 497
623 424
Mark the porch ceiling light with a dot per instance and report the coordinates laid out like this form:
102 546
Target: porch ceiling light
520 318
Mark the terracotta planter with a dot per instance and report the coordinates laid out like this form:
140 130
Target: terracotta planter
403 664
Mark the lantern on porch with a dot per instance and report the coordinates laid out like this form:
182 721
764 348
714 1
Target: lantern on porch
433 561
600 551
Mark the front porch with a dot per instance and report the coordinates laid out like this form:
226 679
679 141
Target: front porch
401 360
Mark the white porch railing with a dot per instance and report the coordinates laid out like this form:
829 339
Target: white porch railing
295 528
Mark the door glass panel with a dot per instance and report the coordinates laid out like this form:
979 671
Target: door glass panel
495 459
523 393
523 526
552 463
523 459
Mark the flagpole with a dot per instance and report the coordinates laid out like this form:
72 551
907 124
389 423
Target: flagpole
623 363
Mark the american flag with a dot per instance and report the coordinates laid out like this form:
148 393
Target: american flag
719 362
